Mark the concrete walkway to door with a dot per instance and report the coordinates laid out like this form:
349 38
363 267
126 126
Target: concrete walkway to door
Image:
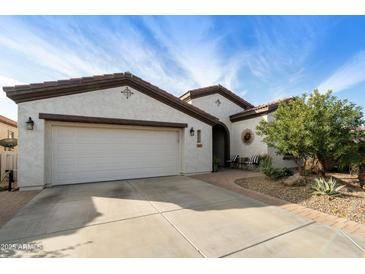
164 217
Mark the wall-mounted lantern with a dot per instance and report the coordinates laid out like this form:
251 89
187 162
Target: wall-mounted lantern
192 131
30 124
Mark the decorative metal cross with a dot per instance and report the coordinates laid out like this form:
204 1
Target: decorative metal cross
127 92
218 102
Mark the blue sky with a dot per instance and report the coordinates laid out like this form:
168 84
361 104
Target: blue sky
261 58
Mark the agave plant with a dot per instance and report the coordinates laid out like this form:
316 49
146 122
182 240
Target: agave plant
323 187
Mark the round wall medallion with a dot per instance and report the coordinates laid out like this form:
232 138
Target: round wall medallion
247 136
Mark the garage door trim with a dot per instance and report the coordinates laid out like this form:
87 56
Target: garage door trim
110 121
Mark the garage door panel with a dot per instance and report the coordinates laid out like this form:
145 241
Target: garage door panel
82 154
63 136
84 176
69 178
130 171
115 159
123 165
110 151
120 143
110 136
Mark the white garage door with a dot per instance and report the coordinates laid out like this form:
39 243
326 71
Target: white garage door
83 154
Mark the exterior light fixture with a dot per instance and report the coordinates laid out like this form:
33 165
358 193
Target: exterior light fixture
30 124
192 131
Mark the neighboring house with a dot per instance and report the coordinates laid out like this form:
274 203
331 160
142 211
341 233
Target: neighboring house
118 126
8 129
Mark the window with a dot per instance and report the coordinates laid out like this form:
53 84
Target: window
199 136
10 134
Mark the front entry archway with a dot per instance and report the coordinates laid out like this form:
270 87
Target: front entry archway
221 143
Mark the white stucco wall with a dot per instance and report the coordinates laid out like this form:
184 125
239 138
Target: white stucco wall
257 146
109 103
223 111
278 160
242 149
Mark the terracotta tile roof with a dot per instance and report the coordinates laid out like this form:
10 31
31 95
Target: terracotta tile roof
8 121
37 91
258 110
200 92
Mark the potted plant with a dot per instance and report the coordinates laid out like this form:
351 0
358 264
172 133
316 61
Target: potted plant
216 162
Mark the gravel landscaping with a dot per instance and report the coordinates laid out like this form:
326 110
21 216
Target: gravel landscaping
350 204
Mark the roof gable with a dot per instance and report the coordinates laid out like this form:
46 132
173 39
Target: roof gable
200 92
31 92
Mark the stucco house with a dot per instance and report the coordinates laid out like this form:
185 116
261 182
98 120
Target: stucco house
118 126
8 129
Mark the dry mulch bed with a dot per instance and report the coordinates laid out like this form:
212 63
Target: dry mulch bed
350 204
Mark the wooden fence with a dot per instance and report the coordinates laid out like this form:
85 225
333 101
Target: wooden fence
8 161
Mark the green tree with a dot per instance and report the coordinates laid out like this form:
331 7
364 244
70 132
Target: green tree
318 126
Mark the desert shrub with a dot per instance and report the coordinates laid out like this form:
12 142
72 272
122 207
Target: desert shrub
277 173
318 126
329 187
287 172
354 169
265 161
305 172
272 172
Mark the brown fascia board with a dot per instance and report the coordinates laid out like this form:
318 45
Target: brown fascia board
258 111
110 121
8 121
250 114
26 93
200 92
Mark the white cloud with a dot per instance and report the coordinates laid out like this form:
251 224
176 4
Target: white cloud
283 49
70 47
189 43
7 107
175 53
132 53
36 46
347 76
7 81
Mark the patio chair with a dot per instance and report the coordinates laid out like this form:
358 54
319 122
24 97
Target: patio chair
242 162
252 161
234 162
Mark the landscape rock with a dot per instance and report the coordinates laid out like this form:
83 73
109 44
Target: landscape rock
295 180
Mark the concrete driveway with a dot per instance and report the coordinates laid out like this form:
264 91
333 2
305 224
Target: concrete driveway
164 217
